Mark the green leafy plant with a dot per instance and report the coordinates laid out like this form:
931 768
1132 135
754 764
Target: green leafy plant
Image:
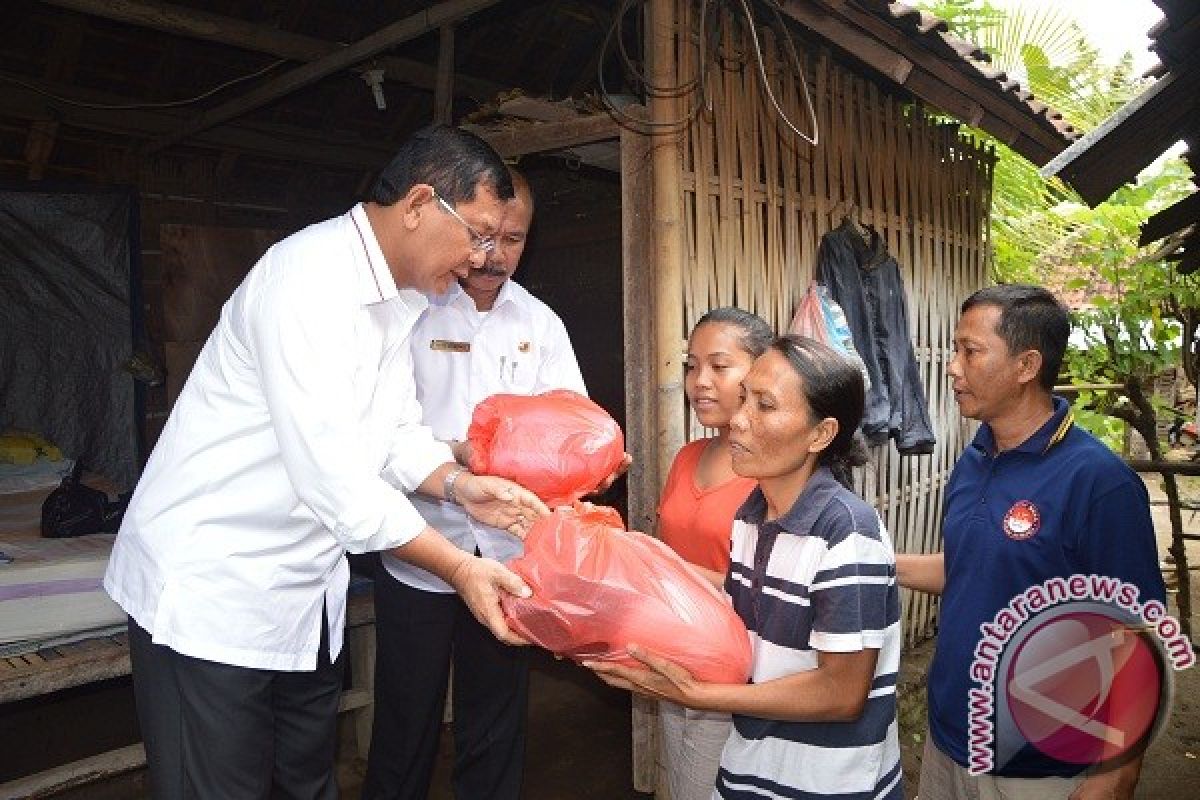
1135 317
1135 312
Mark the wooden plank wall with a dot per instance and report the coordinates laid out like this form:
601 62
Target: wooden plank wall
758 199
173 194
202 265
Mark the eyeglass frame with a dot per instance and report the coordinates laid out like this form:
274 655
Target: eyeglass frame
479 242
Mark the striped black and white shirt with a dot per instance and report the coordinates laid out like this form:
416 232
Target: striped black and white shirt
820 578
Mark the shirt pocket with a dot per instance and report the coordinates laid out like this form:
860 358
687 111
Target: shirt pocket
519 369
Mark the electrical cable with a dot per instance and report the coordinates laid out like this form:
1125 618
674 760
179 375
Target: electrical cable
699 83
640 77
616 28
762 71
142 106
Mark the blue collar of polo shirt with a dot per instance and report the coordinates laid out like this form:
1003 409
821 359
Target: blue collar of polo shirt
1051 433
803 514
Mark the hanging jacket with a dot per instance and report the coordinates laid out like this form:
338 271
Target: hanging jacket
865 281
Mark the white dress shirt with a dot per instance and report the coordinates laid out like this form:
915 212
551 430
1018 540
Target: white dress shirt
462 356
294 440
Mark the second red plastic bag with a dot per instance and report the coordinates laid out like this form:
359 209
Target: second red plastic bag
598 588
558 444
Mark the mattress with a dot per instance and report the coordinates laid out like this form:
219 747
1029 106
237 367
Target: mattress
50 589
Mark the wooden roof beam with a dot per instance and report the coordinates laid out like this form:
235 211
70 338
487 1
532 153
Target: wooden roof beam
1176 40
255 38
862 46
1171 220
1127 142
1006 118
398 32
543 137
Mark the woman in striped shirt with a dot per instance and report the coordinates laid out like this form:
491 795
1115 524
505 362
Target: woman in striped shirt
813 577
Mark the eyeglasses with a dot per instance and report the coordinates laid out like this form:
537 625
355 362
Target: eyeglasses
479 242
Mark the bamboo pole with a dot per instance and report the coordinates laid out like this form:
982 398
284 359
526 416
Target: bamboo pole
637 249
668 238
666 266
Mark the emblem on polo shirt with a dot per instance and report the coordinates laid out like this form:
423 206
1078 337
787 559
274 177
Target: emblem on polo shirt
1022 521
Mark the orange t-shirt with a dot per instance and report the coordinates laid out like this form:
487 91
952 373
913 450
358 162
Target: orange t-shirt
694 522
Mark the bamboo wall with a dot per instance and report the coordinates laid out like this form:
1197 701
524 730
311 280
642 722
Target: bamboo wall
758 199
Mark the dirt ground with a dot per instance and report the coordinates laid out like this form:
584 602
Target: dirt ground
1172 766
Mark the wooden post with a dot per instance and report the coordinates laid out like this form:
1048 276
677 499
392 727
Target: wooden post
637 252
667 265
666 269
641 408
443 93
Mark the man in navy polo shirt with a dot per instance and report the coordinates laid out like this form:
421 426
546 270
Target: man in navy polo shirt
1033 499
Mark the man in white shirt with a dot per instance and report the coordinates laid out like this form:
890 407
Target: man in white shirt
294 441
486 335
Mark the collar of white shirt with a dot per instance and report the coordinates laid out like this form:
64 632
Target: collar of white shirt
456 296
376 283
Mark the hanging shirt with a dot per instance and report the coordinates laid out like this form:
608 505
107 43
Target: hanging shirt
462 356
293 441
695 522
865 281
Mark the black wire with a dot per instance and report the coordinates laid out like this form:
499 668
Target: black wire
680 90
141 106
641 78
638 79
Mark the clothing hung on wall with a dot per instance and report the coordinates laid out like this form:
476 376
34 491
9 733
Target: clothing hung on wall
865 281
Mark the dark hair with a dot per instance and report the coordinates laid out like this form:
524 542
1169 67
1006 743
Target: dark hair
453 161
1031 318
833 387
754 334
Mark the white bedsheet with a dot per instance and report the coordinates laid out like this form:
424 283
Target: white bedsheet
50 592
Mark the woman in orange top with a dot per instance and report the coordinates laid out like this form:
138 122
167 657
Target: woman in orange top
695 517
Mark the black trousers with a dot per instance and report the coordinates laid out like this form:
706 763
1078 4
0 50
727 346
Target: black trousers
417 634
216 732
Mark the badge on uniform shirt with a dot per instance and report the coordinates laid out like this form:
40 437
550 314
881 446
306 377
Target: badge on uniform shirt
523 347
1022 521
448 346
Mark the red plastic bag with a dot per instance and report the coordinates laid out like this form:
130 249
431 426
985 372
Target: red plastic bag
598 588
558 444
